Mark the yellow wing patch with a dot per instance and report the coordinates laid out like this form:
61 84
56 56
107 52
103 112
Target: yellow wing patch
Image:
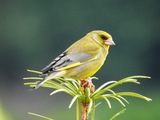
75 64
69 66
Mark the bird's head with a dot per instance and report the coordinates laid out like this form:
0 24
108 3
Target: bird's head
101 37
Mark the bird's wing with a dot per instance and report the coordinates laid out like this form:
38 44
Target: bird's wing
65 61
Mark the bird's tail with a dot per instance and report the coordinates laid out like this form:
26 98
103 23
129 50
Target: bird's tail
50 76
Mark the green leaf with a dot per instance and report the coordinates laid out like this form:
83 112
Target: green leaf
133 94
117 114
34 71
102 86
108 102
138 76
119 100
37 115
56 91
123 99
90 106
73 100
32 78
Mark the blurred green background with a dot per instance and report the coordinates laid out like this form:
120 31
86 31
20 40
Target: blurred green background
33 32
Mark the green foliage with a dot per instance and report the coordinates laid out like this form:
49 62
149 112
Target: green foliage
4 115
117 114
79 94
37 115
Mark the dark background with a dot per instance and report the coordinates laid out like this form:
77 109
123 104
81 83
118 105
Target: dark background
33 32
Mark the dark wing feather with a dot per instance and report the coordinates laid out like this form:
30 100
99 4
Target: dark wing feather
65 59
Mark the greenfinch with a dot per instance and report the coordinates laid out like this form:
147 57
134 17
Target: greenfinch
81 60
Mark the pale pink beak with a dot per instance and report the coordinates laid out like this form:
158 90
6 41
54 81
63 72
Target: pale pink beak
109 41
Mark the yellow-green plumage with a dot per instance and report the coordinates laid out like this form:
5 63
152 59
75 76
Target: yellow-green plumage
82 59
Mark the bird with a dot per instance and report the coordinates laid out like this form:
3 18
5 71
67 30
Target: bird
81 60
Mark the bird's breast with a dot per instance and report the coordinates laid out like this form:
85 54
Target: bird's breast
88 69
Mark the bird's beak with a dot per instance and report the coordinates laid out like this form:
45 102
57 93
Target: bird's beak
109 41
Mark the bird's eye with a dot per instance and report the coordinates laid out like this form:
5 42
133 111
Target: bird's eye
103 37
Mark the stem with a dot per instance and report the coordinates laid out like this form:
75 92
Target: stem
93 111
84 111
88 89
77 109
